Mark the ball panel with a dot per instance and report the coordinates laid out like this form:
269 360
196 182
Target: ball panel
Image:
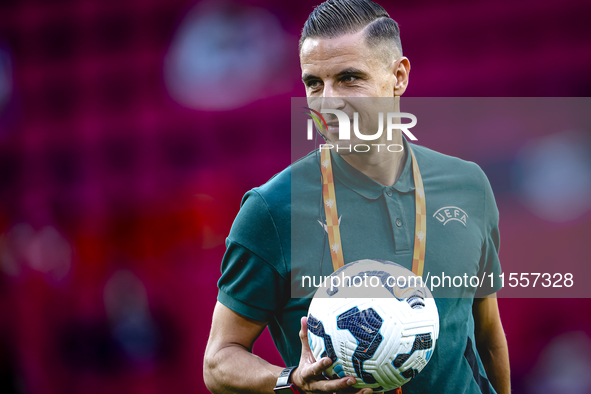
383 336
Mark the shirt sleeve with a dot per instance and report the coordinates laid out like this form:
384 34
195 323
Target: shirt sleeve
253 281
489 260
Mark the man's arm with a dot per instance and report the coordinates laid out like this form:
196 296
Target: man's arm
230 367
491 342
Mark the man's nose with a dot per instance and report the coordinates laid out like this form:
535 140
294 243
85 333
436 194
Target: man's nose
330 100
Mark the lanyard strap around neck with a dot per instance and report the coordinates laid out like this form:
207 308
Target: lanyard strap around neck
332 218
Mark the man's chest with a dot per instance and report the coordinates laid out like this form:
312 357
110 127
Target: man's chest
384 228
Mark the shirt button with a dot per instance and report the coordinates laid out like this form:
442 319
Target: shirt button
389 193
398 222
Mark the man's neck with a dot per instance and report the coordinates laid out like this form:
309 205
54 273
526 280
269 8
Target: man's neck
384 167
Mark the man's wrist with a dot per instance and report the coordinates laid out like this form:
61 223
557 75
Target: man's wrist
285 384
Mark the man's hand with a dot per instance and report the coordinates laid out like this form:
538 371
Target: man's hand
308 375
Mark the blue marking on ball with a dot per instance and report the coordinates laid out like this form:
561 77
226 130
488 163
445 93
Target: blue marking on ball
338 368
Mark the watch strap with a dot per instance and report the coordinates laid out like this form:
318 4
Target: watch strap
285 377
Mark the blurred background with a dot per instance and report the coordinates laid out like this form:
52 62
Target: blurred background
129 131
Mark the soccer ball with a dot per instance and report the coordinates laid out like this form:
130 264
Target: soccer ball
377 323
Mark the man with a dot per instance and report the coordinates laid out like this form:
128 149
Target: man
351 49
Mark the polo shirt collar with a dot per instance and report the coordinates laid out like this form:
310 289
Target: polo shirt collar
367 187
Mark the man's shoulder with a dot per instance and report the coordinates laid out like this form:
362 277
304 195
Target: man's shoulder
265 211
435 164
303 173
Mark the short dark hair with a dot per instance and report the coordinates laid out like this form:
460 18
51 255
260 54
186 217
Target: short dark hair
335 18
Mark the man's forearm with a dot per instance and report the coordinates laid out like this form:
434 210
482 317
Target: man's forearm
494 354
234 369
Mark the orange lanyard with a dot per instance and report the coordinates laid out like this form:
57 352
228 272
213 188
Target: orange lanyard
332 218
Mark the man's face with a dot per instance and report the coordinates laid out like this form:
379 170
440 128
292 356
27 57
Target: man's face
345 73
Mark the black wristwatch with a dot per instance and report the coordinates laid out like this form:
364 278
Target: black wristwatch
284 384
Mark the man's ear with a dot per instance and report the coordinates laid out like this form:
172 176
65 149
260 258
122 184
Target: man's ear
401 71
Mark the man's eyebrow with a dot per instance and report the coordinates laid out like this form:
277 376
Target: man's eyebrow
308 77
351 71
342 73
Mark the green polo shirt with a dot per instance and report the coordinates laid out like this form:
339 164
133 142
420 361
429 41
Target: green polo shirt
278 236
